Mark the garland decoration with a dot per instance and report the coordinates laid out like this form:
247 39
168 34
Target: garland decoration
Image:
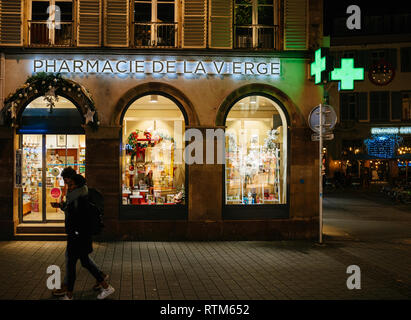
50 85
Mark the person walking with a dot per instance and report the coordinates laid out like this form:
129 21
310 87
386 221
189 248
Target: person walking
79 237
67 174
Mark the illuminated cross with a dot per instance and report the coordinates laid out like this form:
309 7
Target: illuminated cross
318 66
347 74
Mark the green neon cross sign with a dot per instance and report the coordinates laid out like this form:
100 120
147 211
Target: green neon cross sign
347 74
318 66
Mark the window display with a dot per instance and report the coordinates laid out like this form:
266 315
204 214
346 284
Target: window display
32 176
152 137
255 153
57 157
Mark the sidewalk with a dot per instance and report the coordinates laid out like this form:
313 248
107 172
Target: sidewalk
216 270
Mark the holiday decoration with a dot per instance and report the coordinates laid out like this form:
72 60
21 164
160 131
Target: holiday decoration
51 98
89 116
50 86
383 146
270 141
137 146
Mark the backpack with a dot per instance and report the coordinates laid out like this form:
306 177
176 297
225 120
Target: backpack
96 210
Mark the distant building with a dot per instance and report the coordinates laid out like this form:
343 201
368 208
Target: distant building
383 99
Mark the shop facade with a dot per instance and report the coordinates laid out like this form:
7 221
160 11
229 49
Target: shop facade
189 116
133 147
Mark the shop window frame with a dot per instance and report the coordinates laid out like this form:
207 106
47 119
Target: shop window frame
158 211
20 131
263 211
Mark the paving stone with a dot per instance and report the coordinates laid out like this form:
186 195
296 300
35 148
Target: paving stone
215 270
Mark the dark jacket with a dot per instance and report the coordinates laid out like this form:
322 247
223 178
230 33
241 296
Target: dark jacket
78 227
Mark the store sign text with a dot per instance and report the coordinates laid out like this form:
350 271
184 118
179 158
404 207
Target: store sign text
169 67
402 130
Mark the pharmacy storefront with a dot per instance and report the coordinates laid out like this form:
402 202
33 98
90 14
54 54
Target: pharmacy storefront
183 147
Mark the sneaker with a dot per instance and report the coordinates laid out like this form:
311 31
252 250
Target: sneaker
59 292
98 286
66 297
106 292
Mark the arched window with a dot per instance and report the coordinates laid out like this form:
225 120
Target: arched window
153 172
256 153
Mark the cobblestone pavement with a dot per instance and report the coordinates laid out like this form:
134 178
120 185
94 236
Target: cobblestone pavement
216 270
362 229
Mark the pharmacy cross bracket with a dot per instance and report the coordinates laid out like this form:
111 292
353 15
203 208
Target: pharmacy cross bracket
347 74
318 66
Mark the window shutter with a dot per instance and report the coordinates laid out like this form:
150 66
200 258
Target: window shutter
396 105
362 106
194 23
116 23
89 23
221 13
363 59
392 57
405 59
295 25
343 106
11 23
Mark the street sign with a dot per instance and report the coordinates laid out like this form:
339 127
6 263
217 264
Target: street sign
327 136
322 120
329 119
55 193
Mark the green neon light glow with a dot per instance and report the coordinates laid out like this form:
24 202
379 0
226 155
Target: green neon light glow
318 66
347 74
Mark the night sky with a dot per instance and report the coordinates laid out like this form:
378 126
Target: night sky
338 8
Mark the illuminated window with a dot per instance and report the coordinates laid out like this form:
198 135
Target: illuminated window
154 23
153 172
256 153
255 24
51 23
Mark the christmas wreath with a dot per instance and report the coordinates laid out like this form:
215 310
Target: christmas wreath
137 147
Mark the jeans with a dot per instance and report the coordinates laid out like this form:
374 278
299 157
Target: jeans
86 263
65 281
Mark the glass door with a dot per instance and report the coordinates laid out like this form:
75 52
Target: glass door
32 173
61 151
44 158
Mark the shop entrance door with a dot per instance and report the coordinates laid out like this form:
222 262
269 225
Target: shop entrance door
44 157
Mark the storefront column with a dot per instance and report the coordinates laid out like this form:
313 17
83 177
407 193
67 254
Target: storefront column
205 197
8 220
304 184
103 172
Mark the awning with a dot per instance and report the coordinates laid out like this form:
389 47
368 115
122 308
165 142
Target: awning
60 121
